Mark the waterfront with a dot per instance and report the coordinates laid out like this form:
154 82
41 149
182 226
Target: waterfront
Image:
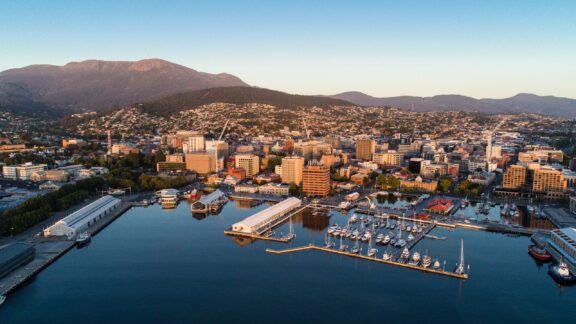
155 265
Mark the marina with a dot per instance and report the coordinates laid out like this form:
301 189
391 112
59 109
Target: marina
198 253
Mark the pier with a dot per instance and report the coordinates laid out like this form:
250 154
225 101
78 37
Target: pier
373 259
50 249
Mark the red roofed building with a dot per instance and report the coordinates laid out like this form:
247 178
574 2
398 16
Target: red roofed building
439 206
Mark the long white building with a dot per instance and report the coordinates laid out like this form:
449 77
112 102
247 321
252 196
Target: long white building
263 220
83 218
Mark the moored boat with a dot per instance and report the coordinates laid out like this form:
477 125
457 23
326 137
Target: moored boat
561 274
539 254
426 261
83 239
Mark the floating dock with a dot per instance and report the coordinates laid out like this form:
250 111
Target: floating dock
373 259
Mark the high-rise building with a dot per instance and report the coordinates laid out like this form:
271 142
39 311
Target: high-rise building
365 147
549 180
316 180
250 163
220 150
194 143
291 171
514 177
201 162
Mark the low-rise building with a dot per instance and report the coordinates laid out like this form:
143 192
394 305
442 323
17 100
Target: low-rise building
418 184
274 189
22 171
246 188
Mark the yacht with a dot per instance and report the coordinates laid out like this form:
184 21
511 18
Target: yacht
331 229
372 252
379 238
366 236
356 248
328 244
387 256
400 243
405 254
415 229
386 240
436 265
410 237
561 274
415 259
426 261
342 246
408 228
353 218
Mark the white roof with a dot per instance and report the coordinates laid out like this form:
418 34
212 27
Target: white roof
211 197
87 213
261 216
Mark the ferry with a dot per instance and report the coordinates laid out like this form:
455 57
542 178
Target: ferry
83 239
561 274
168 198
539 254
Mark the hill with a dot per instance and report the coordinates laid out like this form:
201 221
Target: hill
236 95
528 103
99 85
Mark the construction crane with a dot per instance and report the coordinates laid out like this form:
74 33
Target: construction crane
223 129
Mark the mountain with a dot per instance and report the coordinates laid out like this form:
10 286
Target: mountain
98 85
236 95
528 103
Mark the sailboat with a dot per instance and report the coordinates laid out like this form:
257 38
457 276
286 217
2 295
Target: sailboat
387 256
342 246
291 234
460 266
356 248
371 251
328 244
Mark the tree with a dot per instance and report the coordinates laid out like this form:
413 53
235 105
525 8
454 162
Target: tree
445 183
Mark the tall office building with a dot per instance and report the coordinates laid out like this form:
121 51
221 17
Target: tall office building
316 180
514 177
201 162
220 150
291 171
194 143
549 180
250 163
365 147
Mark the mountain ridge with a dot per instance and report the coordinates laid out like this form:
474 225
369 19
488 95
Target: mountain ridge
521 102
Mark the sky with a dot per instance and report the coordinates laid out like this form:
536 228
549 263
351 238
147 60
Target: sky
479 48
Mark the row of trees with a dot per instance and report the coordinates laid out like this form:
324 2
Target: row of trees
147 182
37 209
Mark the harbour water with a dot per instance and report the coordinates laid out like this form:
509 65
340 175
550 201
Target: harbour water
154 265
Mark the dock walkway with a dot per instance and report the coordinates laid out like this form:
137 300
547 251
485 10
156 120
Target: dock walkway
373 259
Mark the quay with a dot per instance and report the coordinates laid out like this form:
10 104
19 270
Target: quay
50 249
373 259
237 196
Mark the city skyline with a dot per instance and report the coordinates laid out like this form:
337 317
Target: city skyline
483 50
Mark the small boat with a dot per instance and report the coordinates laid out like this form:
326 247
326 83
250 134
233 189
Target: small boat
436 265
331 229
405 254
415 229
387 256
415 259
386 239
379 238
353 218
539 254
372 252
83 239
410 237
561 274
408 228
426 261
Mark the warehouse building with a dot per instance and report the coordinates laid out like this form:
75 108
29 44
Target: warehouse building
83 218
267 218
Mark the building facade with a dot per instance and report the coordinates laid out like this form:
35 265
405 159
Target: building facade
316 180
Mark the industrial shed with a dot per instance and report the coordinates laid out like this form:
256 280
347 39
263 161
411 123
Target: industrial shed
263 220
83 218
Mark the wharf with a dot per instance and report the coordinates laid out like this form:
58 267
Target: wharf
373 259
50 249
237 196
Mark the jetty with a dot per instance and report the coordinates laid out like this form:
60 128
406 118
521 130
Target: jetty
313 247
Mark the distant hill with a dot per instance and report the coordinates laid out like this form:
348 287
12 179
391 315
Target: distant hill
98 85
529 103
236 95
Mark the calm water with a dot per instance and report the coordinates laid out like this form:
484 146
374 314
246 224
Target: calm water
152 265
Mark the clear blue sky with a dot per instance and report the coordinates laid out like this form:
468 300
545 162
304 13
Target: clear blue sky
479 48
